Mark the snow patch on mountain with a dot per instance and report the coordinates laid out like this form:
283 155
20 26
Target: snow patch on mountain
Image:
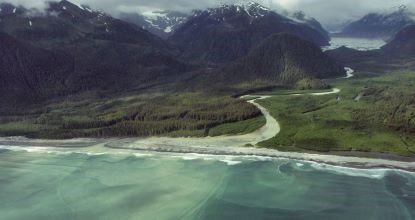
159 22
380 25
168 29
254 10
78 5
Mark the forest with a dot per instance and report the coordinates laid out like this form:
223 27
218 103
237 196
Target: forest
158 114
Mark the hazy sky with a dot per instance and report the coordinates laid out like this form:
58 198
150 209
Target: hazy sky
327 11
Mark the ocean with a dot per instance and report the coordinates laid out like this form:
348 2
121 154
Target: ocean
42 184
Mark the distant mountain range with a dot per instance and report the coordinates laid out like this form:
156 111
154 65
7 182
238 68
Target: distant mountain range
164 22
398 53
220 35
402 45
73 50
379 25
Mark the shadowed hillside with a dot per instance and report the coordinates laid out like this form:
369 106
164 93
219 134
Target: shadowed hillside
281 60
224 34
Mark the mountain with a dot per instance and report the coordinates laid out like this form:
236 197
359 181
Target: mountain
27 72
399 53
31 74
71 71
280 60
403 43
376 25
64 23
220 35
71 50
161 23
301 17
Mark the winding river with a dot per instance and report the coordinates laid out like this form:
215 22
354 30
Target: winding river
196 179
238 145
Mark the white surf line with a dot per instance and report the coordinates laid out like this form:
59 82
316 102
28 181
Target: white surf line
230 155
223 145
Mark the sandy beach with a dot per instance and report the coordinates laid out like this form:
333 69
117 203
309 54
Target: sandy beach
238 145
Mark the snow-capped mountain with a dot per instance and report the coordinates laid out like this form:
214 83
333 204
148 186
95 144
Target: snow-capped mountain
65 22
161 22
251 10
70 48
226 33
380 25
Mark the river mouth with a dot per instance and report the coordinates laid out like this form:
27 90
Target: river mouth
239 145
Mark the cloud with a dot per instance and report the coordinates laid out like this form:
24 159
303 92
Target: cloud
39 4
327 11
337 11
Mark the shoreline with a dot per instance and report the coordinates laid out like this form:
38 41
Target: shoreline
116 146
350 161
238 145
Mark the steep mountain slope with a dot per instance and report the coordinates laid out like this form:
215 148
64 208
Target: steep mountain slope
161 23
65 23
91 53
372 61
71 71
28 73
280 60
103 55
403 43
220 35
376 25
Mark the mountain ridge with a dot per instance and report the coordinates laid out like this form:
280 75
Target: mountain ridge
108 56
378 25
281 60
220 35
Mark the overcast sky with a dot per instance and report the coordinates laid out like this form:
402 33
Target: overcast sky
326 11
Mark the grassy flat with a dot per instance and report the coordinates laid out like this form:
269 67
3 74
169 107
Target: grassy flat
364 116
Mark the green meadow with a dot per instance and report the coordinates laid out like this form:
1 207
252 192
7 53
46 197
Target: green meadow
370 114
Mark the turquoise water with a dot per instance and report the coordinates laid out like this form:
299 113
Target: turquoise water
40 185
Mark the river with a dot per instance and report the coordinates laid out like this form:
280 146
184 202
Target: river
194 178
